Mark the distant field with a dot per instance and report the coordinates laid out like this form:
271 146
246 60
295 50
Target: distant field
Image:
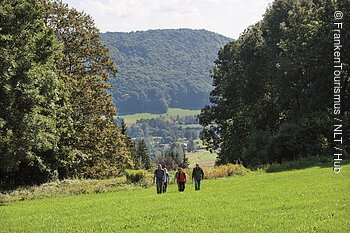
172 112
193 126
205 158
131 119
182 112
310 200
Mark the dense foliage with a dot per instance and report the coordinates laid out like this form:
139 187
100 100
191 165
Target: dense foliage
98 148
34 111
162 68
56 120
142 159
273 87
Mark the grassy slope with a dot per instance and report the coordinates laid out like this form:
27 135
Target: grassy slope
205 158
131 119
172 112
310 200
182 112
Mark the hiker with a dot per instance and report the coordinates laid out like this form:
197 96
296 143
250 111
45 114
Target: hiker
197 176
159 177
180 179
166 180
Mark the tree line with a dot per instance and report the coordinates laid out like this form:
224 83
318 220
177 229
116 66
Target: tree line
56 118
273 87
272 98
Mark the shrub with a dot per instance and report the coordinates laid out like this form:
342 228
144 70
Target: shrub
221 171
224 171
135 176
140 177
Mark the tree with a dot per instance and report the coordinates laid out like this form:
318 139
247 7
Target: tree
272 84
142 155
130 143
99 148
184 163
123 127
35 113
191 146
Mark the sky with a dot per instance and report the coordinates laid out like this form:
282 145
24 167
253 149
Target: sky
226 17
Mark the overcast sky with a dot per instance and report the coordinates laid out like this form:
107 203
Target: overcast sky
227 17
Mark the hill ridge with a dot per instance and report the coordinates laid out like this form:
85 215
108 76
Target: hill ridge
161 68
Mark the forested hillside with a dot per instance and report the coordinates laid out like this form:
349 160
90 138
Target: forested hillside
162 68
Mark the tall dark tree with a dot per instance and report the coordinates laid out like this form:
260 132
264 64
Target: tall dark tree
142 155
123 127
184 163
34 110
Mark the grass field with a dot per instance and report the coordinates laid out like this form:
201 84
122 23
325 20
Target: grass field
131 119
205 158
310 200
172 112
182 112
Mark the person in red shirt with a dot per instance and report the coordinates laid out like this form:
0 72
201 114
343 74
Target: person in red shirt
180 179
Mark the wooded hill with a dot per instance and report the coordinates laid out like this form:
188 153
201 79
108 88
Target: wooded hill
158 69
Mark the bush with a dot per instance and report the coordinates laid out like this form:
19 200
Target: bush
141 177
135 176
224 171
221 171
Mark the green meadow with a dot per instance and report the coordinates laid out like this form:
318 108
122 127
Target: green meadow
204 157
309 200
172 112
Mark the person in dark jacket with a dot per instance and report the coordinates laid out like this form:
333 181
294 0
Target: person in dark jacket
197 176
180 177
159 178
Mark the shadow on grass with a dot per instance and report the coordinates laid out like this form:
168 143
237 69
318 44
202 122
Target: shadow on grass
302 164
